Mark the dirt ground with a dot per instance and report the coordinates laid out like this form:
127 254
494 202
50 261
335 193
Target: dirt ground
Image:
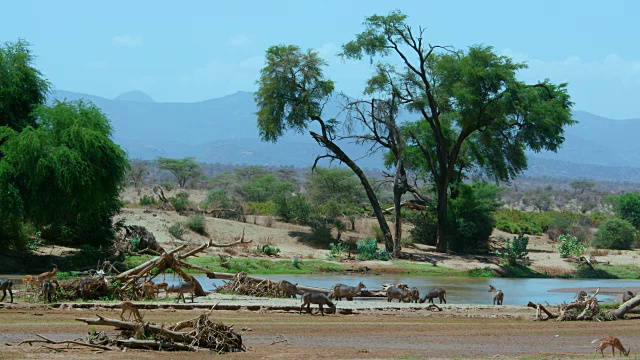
459 332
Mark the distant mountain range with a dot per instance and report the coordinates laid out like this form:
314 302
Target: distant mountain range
224 130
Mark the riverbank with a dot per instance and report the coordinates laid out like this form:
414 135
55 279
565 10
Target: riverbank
393 333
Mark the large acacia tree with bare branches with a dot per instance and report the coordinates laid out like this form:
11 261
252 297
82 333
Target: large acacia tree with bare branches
473 114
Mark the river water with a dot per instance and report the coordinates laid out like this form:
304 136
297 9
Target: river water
463 290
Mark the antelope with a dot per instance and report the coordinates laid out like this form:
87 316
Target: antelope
6 284
148 289
133 310
309 298
614 342
432 293
581 295
30 281
339 291
394 292
163 285
48 274
288 289
48 288
627 295
498 295
185 287
415 294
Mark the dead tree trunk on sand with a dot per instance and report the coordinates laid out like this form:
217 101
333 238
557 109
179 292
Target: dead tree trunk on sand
587 309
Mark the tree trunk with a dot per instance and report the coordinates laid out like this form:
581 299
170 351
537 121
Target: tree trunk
624 308
371 195
442 244
398 191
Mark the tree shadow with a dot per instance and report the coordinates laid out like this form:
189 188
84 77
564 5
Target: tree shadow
587 272
16 262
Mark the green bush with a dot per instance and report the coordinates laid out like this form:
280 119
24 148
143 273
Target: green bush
260 208
167 185
627 207
197 223
368 250
570 245
337 249
177 231
520 222
180 202
268 250
425 227
514 250
293 209
147 200
615 234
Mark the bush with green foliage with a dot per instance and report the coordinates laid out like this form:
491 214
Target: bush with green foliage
180 202
177 231
147 200
617 234
265 188
338 248
368 250
197 223
219 199
627 207
167 185
268 250
569 245
514 250
521 222
294 209
260 208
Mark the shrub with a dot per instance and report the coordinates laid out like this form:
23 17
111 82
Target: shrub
514 250
268 250
615 234
425 227
177 231
197 223
167 185
180 202
337 249
147 200
570 245
519 222
368 250
293 209
260 208
627 207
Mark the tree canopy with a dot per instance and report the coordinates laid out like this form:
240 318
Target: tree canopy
64 174
183 169
22 87
473 114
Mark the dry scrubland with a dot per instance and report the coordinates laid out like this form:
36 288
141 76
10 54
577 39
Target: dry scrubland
543 255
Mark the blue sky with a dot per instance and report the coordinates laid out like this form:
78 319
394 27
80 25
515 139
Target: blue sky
196 50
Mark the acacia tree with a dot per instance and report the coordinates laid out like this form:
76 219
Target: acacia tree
138 170
475 114
64 175
183 169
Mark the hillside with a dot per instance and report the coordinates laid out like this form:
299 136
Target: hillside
223 130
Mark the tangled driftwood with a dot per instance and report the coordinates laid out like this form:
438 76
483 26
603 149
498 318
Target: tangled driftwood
202 334
130 280
246 285
585 309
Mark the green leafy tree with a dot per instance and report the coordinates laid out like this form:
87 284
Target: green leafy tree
22 87
265 188
627 207
615 234
137 172
65 174
324 184
580 186
475 114
183 169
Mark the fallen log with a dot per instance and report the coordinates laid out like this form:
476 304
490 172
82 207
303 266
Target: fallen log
539 307
137 269
68 342
625 307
